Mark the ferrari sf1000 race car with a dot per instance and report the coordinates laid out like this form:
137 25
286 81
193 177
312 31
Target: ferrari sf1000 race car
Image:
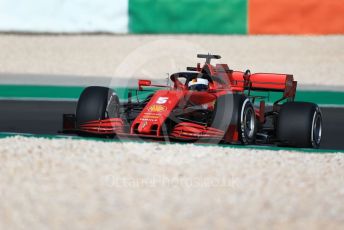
208 103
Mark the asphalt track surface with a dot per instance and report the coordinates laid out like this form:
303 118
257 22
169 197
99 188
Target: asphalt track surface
45 117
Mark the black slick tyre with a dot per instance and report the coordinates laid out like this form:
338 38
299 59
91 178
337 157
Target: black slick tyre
247 123
96 103
236 110
299 125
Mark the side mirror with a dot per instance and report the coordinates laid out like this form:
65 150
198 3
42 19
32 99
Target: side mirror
144 83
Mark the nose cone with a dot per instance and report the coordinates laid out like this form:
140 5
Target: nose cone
144 127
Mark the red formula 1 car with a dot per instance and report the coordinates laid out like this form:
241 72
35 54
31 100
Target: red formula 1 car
205 103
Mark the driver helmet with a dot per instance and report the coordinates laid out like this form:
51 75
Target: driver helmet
198 84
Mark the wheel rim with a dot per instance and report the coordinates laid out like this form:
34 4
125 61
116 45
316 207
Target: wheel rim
316 129
249 123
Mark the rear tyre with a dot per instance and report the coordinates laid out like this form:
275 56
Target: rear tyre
299 125
96 103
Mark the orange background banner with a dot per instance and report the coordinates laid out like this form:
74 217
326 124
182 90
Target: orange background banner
296 16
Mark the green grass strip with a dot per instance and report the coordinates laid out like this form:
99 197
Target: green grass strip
58 92
73 93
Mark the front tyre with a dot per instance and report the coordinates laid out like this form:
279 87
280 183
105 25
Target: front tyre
248 123
237 111
299 125
96 103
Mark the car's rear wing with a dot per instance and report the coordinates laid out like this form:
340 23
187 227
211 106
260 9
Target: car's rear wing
267 82
258 81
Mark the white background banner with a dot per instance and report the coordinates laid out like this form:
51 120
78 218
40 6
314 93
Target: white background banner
64 15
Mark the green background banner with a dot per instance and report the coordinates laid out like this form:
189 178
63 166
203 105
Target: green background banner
188 16
35 92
